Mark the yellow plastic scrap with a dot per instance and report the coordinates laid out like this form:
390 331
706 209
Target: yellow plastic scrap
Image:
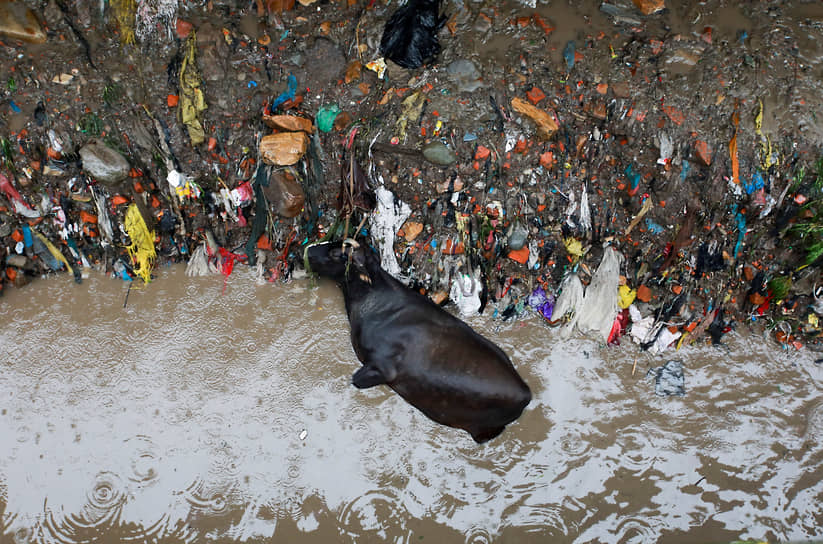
141 250
768 157
125 12
574 247
192 100
378 66
625 296
412 109
56 253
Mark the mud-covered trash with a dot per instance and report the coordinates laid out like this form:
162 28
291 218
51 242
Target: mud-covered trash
18 22
284 194
669 379
104 163
284 148
546 126
410 36
192 102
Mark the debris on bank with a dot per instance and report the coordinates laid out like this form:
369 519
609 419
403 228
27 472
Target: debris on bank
582 179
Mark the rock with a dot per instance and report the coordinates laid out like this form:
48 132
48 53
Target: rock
647 7
644 294
439 153
412 230
288 123
104 163
683 59
19 22
546 126
465 74
703 152
18 261
283 149
285 195
621 89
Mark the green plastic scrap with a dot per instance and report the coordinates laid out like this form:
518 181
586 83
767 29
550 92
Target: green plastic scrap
326 116
192 101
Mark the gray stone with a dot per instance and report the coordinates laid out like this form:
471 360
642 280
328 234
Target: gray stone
439 153
465 74
104 163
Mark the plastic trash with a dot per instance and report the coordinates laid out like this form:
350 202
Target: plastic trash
410 36
103 217
465 293
542 302
625 296
641 326
599 307
287 95
141 250
669 379
653 227
199 264
621 323
192 101
326 116
385 221
568 303
568 54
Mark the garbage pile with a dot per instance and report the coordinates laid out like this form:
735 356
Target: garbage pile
621 178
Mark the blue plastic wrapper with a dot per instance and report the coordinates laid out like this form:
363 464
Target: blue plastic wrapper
291 90
755 184
568 54
653 227
27 237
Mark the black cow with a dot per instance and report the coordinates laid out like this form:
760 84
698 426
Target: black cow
429 357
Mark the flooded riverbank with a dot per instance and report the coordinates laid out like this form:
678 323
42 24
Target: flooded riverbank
191 415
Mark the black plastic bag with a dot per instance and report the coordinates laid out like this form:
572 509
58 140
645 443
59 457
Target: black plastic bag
410 36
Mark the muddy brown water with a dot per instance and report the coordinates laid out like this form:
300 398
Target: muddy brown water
198 415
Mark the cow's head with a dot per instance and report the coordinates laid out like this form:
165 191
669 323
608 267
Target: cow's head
340 261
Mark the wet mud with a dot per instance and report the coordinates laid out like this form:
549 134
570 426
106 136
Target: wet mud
194 416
